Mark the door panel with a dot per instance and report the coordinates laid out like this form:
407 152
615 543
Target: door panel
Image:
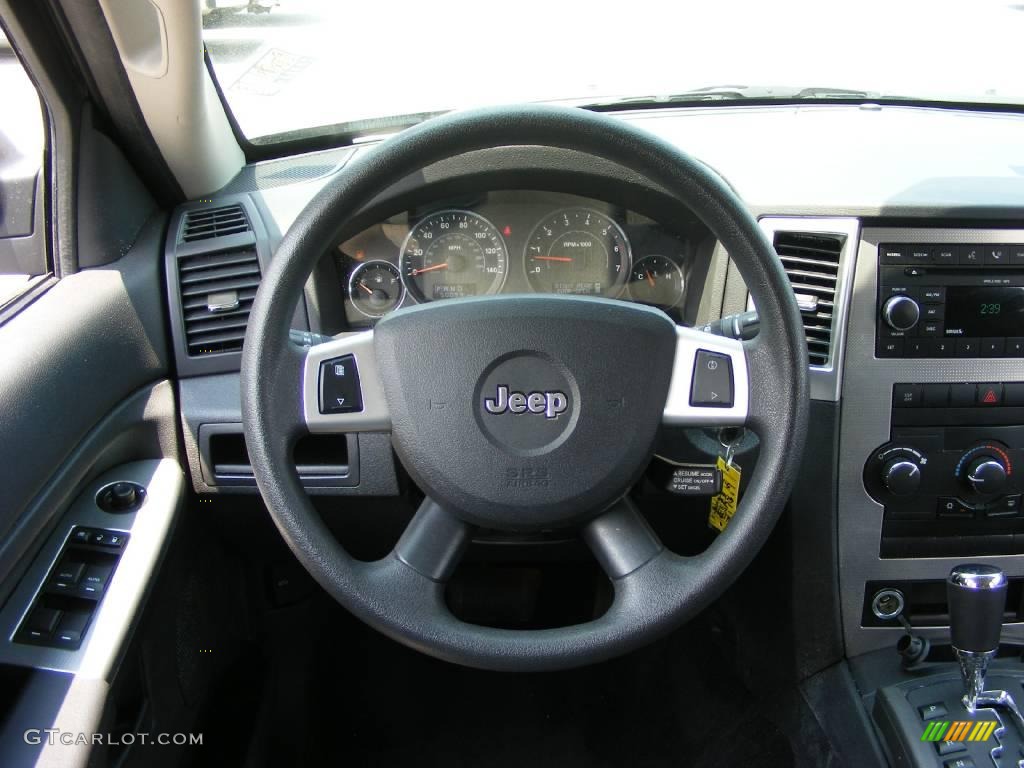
84 356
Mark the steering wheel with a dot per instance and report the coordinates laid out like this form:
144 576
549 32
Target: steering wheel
524 413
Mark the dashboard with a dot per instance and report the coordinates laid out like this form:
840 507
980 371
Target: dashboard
906 194
513 241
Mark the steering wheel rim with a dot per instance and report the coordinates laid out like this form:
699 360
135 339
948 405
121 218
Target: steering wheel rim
402 595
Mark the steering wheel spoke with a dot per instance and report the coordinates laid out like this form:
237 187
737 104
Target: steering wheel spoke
433 542
341 387
710 383
621 540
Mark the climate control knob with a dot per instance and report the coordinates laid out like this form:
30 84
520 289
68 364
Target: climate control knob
986 474
901 313
901 476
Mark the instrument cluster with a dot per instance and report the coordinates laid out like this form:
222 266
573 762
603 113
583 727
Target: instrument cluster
512 242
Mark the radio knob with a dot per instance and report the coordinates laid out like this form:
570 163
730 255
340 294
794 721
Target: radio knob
901 313
986 474
901 476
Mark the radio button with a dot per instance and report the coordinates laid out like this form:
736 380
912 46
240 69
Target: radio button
993 347
893 254
889 348
942 347
945 255
971 255
917 348
996 255
933 312
920 254
966 347
1014 347
901 313
932 295
931 329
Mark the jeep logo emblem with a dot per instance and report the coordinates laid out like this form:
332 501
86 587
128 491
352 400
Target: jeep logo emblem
551 404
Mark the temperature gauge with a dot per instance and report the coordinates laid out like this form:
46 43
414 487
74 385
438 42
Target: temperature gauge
656 280
375 288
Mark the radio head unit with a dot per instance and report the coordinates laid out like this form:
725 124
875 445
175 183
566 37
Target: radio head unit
950 301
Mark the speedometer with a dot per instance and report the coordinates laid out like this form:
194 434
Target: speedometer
451 254
577 251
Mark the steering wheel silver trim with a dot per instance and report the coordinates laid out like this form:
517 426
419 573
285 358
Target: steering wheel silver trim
374 417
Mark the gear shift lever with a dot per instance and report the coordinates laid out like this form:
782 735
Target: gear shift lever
977 597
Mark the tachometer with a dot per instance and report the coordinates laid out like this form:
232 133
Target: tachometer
451 254
577 251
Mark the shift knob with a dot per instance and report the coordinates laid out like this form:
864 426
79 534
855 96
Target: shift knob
977 598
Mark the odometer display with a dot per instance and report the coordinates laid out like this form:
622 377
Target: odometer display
451 254
577 251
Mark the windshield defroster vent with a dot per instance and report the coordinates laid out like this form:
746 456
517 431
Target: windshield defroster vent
812 262
206 223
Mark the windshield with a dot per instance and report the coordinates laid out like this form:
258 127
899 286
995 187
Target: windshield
295 65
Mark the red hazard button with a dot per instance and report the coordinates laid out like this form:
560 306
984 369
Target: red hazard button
990 394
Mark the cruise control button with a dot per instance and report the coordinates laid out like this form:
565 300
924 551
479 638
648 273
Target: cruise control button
712 380
339 386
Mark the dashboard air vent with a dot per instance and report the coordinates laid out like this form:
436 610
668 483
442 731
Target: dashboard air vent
217 291
206 223
812 262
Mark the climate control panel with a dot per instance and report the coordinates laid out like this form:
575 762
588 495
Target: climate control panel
951 488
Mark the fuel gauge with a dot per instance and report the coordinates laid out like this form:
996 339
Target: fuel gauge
375 288
656 280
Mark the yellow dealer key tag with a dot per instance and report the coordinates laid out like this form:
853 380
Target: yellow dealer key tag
723 506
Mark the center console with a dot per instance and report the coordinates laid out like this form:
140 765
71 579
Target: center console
932 425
